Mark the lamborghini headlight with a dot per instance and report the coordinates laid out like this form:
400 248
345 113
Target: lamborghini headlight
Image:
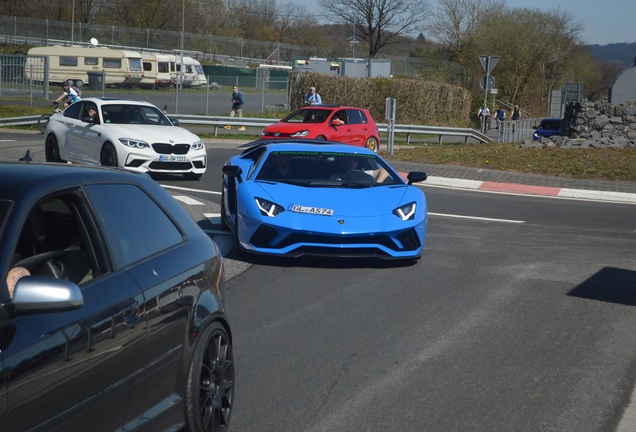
268 208
406 211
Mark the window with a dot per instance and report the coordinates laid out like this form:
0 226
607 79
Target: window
356 117
73 111
132 236
91 61
68 61
112 63
163 67
147 66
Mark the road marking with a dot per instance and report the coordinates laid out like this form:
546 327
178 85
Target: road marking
187 200
477 218
190 189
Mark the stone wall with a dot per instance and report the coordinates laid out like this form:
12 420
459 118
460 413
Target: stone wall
598 125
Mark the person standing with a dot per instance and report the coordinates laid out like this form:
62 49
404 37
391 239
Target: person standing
313 98
238 100
484 116
516 114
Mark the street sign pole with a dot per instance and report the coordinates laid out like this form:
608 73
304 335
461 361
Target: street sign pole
488 62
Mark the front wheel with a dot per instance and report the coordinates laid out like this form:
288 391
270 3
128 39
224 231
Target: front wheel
108 156
210 388
43 121
52 149
321 138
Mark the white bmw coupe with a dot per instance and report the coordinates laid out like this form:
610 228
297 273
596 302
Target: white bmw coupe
134 135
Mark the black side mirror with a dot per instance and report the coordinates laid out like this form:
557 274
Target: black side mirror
416 177
233 171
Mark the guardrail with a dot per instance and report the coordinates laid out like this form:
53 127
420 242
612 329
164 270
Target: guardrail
222 121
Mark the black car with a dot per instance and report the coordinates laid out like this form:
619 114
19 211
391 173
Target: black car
121 324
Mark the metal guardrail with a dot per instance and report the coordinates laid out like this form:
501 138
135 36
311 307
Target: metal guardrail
221 121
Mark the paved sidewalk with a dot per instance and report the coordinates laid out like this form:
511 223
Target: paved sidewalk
502 181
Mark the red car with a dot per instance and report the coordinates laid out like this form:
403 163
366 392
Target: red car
348 125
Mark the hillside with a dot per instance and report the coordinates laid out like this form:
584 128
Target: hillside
622 53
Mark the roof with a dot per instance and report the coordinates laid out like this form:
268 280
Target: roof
18 177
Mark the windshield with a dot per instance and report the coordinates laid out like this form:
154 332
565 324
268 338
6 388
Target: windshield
308 116
327 169
134 114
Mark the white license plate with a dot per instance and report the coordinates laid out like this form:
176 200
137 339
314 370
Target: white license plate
311 210
168 158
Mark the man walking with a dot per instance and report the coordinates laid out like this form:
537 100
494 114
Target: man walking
238 100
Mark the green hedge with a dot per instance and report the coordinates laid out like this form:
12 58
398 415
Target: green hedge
418 102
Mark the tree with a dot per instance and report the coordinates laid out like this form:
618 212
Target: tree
378 22
454 25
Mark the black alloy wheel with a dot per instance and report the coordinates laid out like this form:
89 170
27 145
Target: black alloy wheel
210 392
108 156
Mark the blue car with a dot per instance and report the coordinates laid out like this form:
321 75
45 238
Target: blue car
304 197
547 128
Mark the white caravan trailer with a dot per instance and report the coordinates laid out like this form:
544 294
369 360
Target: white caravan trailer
193 75
120 67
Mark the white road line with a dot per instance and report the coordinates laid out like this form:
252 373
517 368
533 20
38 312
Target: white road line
477 218
190 189
187 200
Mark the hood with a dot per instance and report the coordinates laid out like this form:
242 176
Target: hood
351 202
151 133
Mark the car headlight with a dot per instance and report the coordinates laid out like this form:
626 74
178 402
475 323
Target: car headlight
302 133
406 212
129 142
268 208
198 145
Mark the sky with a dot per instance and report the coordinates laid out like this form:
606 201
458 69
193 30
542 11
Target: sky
604 21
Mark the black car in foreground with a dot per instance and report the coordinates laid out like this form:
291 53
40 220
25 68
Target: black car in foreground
121 321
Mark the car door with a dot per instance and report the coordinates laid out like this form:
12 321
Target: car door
155 253
74 370
358 127
342 133
84 138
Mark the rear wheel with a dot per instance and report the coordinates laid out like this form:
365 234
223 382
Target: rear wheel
52 149
210 391
372 144
43 121
108 156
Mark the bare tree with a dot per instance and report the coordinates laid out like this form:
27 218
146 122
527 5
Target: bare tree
378 22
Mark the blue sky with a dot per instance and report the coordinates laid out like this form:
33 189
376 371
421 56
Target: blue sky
604 21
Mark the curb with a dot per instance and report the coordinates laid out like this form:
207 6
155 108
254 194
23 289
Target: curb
546 191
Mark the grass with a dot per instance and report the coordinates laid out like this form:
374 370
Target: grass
585 163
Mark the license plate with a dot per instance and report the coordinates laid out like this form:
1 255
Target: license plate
312 210
168 158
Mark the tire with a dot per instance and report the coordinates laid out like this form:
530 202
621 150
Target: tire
372 144
52 149
43 121
321 138
210 387
108 156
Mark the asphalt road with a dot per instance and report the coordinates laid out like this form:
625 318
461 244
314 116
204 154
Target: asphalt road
518 317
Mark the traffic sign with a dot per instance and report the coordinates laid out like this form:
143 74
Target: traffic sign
487 79
488 62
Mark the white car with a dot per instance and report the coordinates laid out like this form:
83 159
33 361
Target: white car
134 135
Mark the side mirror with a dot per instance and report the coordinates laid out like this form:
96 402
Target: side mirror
416 177
233 171
174 121
38 294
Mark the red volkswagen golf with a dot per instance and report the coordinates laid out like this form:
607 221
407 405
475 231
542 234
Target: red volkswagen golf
348 125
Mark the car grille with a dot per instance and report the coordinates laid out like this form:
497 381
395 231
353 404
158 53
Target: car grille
170 166
168 149
277 134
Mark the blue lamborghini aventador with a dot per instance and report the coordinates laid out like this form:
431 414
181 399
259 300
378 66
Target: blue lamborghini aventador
301 197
